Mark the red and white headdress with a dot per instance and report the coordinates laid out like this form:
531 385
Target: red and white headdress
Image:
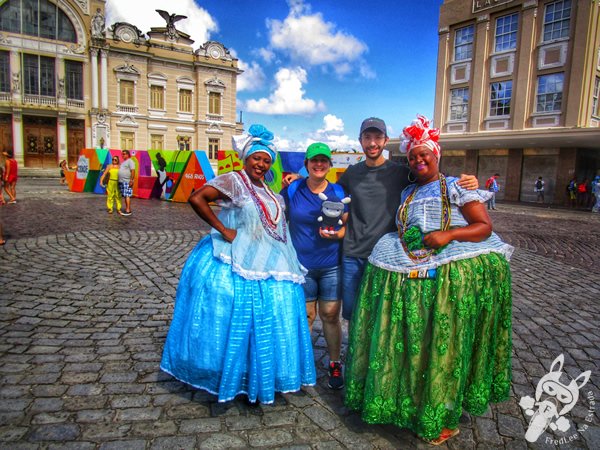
418 133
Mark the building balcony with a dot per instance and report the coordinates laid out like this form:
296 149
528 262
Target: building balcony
74 103
214 117
41 100
127 109
5 96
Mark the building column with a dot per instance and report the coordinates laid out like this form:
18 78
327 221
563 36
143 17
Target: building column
472 162
478 104
525 66
104 78
94 60
15 64
514 169
567 162
62 136
61 95
17 132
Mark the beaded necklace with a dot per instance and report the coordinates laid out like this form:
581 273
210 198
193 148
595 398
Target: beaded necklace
423 254
269 223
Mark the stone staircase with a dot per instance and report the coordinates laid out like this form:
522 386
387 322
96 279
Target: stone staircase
31 172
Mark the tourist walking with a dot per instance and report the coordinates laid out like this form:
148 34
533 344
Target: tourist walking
572 192
319 251
596 193
539 189
431 332
11 175
492 186
112 185
126 179
239 325
2 170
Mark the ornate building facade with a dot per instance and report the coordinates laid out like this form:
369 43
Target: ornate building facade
517 92
68 82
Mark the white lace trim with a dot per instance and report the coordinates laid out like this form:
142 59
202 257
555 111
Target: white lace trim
256 275
505 250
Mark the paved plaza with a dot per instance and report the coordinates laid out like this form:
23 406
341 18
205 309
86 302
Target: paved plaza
86 299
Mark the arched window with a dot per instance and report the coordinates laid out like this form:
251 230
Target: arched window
39 18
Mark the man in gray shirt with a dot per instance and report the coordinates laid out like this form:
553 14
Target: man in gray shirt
126 177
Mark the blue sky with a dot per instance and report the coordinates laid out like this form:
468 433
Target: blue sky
315 69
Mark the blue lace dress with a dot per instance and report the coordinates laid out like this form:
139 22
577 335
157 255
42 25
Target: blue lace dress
239 325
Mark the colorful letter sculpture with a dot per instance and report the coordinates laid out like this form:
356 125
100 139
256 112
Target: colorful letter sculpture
229 161
175 174
167 174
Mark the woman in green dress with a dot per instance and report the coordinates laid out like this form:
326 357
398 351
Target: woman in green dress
431 330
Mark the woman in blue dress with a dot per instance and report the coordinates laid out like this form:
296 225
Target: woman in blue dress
239 325
431 330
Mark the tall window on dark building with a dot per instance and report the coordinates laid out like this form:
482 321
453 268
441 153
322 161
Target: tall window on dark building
39 18
4 71
459 103
557 20
463 43
74 79
506 32
39 75
549 93
500 96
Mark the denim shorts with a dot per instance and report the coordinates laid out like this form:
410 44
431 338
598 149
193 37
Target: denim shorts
323 284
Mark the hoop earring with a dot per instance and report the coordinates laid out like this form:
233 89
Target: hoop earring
409 180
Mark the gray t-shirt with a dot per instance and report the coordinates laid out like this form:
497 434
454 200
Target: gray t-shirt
125 171
375 193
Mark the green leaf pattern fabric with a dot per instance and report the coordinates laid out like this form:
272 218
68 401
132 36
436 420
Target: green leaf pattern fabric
421 350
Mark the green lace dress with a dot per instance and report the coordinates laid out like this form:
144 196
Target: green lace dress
422 349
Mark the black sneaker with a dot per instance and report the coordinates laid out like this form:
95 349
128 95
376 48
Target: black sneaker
336 379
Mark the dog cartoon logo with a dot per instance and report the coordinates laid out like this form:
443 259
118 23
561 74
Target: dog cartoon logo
553 400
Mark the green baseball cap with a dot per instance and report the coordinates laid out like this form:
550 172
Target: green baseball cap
316 149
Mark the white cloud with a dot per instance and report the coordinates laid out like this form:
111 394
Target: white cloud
332 124
309 38
267 55
332 134
288 96
199 23
252 78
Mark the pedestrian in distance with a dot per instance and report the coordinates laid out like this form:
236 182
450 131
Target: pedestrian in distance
126 179
11 175
539 189
431 332
64 167
239 325
492 186
582 194
2 171
112 185
318 251
572 192
596 193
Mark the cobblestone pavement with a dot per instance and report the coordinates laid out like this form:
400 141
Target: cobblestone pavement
83 318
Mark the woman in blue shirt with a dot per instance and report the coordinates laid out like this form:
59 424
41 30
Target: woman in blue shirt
319 251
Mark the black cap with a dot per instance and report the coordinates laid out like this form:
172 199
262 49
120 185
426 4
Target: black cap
373 122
